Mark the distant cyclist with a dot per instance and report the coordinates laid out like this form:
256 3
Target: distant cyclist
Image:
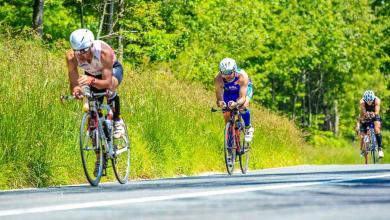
101 71
369 111
233 88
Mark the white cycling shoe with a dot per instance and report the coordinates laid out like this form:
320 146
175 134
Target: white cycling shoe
249 134
119 129
380 154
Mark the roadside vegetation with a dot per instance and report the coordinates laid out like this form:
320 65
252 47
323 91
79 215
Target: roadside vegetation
310 62
170 123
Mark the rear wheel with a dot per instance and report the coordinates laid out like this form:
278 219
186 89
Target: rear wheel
91 148
244 153
121 160
229 148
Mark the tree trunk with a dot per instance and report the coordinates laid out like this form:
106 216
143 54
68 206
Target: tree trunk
38 16
121 9
295 92
102 19
82 14
309 93
303 115
336 119
110 17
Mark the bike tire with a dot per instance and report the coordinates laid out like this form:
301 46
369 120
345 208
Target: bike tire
366 149
90 144
373 147
244 154
229 148
121 160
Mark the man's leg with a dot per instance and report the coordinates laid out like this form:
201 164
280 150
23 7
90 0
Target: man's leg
362 132
245 113
114 100
378 135
246 116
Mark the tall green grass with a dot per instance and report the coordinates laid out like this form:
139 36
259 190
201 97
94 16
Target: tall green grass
37 134
170 124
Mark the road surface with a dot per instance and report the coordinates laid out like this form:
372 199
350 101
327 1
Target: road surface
299 192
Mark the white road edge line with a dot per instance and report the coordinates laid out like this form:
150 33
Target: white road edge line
95 204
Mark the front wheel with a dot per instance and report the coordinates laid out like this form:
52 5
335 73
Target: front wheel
229 148
121 159
244 153
373 155
373 147
91 148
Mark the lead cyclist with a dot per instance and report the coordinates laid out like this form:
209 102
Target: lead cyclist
102 71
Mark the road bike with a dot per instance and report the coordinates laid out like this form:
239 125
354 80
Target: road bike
97 143
234 141
370 145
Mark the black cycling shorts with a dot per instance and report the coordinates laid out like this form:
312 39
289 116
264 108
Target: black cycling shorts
363 125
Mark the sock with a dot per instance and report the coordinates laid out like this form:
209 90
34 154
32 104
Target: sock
379 140
114 102
246 116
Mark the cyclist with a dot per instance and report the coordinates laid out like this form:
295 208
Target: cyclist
369 111
233 88
101 71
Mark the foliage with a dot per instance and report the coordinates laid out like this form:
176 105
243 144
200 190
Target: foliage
172 133
309 60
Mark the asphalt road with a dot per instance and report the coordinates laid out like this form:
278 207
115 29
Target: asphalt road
299 192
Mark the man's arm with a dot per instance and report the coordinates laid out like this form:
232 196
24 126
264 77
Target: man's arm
218 84
106 81
377 106
362 109
72 73
243 81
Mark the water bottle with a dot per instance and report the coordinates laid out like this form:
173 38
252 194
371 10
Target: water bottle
109 127
366 139
108 123
86 90
239 125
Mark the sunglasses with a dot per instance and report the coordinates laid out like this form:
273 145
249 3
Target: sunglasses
227 72
82 51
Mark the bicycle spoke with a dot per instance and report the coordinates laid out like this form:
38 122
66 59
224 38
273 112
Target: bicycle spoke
229 148
244 154
121 160
90 145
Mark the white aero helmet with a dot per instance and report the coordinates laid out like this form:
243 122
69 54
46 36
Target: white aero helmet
368 96
227 66
81 39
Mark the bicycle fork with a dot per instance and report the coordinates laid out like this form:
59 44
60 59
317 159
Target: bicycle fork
107 141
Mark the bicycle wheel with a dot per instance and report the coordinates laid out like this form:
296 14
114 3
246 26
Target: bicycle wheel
121 160
373 155
229 148
91 148
244 154
366 148
373 148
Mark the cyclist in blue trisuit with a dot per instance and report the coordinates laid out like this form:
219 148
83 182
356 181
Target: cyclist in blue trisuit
369 109
101 71
233 88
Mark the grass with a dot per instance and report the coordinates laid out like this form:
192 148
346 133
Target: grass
171 127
